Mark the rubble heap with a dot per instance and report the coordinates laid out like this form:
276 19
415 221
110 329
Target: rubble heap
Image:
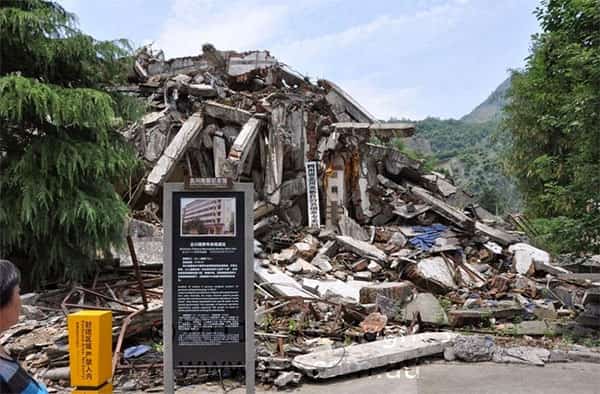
354 239
356 245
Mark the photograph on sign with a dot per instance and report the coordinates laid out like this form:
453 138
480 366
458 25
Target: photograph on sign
208 217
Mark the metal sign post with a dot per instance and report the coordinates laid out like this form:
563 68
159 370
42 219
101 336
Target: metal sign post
208 312
312 194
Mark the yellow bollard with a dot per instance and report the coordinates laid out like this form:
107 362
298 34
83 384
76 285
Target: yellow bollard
90 351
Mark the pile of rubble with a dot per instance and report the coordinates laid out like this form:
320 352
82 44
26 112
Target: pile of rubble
40 339
362 258
354 239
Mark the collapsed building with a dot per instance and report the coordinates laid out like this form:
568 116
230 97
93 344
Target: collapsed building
362 257
248 117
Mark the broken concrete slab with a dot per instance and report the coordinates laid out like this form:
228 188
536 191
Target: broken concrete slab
350 228
302 266
29 298
348 290
530 327
361 248
199 90
398 240
350 359
411 211
428 307
524 256
286 378
363 275
281 284
374 267
305 250
591 296
449 212
338 98
243 63
226 112
495 234
148 250
166 164
328 249
322 262
396 291
522 355
287 255
152 118
155 145
274 164
219 157
449 274
384 131
388 183
462 317
292 188
243 143
590 317
577 356
373 325
471 348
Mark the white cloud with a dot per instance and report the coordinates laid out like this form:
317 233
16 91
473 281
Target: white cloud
407 32
383 102
239 25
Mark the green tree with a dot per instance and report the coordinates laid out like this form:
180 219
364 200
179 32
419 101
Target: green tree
60 152
554 116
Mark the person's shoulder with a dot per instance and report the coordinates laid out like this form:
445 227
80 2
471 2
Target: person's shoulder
34 388
8 368
15 380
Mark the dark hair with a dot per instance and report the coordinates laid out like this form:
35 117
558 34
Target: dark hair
9 279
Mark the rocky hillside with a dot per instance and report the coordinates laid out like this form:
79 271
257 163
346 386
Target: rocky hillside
491 108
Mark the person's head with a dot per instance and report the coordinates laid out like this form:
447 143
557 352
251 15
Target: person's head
10 299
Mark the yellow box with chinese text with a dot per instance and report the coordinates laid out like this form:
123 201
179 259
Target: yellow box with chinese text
106 389
90 348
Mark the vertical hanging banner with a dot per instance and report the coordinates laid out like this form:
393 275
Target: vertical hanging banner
208 278
312 193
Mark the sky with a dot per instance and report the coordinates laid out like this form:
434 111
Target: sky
398 58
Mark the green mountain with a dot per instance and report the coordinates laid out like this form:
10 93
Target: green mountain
470 150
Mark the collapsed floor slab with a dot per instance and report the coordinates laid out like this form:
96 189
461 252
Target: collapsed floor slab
350 359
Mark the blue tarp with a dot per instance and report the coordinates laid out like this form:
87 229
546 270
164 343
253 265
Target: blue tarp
427 235
136 351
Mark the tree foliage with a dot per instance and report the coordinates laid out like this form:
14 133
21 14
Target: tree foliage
60 153
554 117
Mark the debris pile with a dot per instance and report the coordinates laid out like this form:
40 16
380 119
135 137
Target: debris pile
363 259
40 339
354 240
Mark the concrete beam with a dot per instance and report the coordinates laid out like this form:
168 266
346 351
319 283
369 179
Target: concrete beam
276 281
379 129
350 359
226 112
244 143
337 97
166 164
361 248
